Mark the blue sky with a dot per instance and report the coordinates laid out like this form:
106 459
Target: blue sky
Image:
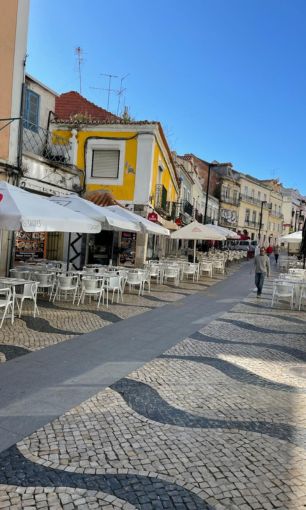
227 78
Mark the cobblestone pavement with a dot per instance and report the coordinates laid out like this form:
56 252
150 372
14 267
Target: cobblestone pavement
216 422
61 320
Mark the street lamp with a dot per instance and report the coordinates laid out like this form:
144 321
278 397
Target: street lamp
260 218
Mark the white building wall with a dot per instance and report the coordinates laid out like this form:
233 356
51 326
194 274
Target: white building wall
144 168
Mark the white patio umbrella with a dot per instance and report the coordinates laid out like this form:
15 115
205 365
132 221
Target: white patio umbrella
197 232
294 238
20 209
146 226
110 220
229 234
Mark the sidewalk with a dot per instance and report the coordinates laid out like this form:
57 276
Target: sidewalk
211 417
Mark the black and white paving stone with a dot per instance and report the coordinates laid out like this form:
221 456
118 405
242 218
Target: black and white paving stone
218 422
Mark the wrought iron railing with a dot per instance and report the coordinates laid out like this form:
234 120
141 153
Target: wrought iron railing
255 201
42 142
253 224
229 199
276 214
161 197
173 210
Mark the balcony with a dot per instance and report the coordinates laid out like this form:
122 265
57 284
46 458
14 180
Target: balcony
161 198
230 200
45 144
277 214
173 210
255 201
252 224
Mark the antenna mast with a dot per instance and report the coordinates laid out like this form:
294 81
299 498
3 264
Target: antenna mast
110 77
120 91
79 56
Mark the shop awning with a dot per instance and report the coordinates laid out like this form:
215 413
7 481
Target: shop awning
146 226
108 219
30 212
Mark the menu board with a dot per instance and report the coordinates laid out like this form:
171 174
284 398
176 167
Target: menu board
127 249
30 245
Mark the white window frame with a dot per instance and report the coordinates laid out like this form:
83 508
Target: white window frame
112 145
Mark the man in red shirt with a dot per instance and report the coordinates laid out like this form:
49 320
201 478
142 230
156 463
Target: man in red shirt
269 250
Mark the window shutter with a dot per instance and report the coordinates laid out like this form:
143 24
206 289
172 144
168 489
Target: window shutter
105 164
31 110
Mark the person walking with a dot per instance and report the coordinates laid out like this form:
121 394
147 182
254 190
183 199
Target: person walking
269 250
276 253
262 268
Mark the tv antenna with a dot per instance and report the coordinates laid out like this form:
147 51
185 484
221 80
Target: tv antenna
121 91
79 55
109 89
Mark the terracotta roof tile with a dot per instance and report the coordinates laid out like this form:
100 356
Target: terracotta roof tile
72 103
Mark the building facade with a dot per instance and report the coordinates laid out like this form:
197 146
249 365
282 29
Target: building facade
129 159
13 49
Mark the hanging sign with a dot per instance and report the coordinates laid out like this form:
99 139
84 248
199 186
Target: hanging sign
152 216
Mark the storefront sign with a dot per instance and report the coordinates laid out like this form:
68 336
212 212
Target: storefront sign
152 216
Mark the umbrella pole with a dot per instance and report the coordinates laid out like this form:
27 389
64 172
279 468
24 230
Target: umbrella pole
194 250
68 251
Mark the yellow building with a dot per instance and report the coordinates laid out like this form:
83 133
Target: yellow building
130 159
254 208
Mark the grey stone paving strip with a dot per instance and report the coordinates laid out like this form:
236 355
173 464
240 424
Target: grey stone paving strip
144 492
147 402
235 372
37 388
292 351
257 329
13 351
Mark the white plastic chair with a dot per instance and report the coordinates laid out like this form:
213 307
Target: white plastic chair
92 287
146 279
154 270
206 267
172 273
46 281
66 284
283 291
29 291
190 270
218 266
114 283
6 303
302 296
134 280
